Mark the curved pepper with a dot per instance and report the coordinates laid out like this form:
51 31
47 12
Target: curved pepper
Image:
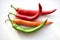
30 17
29 23
27 30
32 12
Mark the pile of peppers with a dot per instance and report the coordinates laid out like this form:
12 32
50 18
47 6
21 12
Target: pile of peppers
27 17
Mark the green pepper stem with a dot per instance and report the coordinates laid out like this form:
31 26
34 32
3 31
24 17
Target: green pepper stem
10 19
12 14
6 20
13 7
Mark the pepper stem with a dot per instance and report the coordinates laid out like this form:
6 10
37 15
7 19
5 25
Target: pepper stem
10 19
13 14
6 20
13 7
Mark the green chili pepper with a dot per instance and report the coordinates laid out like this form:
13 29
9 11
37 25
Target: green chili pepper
26 30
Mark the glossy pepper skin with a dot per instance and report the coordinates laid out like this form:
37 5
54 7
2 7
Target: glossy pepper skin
30 17
26 30
32 12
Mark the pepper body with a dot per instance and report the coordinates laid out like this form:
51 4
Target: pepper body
30 18
26 12
33 12
27 30
29 23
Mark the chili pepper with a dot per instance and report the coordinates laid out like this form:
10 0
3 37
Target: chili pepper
26 30
29 23
32 12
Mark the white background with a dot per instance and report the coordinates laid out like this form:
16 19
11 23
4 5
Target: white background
50 32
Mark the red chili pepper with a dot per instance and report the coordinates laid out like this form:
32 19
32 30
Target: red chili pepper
30 17
32 12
